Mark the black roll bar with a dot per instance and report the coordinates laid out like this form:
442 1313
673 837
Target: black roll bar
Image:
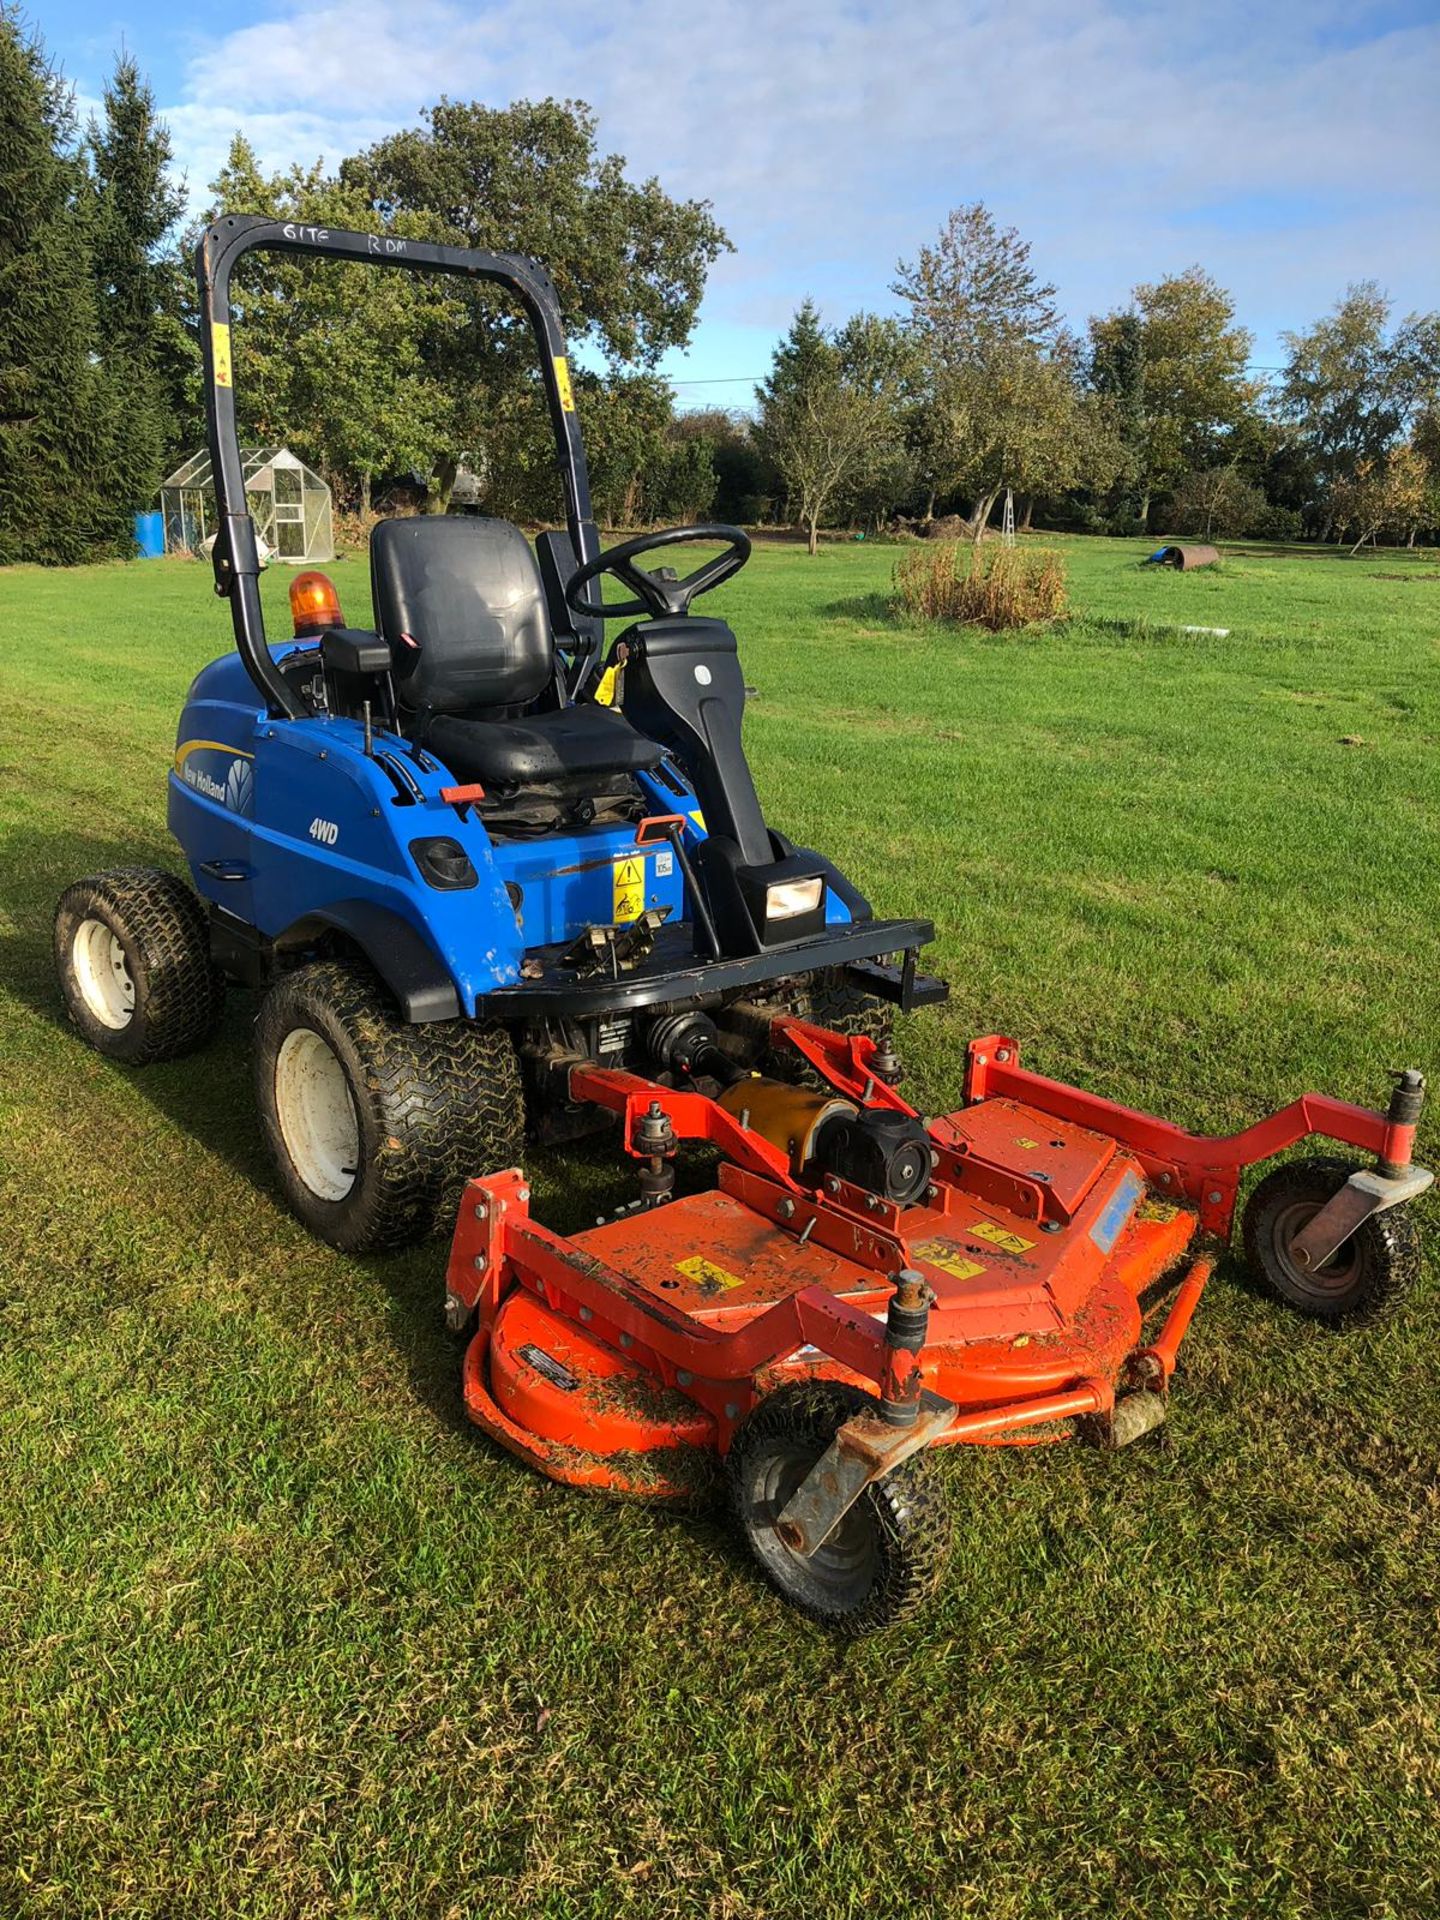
236 556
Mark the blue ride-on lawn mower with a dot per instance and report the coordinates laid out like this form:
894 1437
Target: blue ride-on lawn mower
484 902
457 874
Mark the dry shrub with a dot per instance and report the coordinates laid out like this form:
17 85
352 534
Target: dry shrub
353 528
992 586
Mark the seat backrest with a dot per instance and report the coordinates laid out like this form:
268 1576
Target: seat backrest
467 592
684 688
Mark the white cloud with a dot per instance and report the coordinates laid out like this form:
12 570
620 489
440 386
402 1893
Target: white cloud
1282 146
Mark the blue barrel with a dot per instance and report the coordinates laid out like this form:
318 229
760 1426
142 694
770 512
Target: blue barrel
150 535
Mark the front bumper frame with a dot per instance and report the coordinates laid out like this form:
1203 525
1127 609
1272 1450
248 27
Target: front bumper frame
674 976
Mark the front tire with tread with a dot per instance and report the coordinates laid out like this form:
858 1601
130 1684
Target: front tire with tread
828 998
431 1106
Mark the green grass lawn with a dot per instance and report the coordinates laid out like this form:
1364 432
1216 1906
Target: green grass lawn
280 1635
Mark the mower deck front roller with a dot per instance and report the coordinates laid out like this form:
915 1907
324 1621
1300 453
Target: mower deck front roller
819 1322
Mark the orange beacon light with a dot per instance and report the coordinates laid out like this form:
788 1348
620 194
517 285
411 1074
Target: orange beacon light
314 603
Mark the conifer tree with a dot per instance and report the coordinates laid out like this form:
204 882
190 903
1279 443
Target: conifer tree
145 352
57 418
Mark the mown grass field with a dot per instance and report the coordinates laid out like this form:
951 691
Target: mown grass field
281 1636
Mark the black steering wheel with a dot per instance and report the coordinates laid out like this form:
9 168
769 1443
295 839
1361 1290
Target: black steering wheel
654 595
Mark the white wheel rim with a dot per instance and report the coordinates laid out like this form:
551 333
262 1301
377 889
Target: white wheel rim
317 1115
102 974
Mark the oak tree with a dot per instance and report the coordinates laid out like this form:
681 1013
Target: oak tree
627 260
1180 340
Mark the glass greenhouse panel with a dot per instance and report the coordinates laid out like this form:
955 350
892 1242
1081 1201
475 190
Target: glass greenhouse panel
289 503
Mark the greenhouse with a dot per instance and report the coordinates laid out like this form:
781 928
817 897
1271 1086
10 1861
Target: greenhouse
289 504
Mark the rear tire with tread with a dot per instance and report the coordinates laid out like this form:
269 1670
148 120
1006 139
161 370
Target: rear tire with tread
132 951
430 1106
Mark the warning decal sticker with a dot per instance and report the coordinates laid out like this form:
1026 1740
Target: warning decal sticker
220 352
999 1236
629 902
562 381
945 1255
707 1276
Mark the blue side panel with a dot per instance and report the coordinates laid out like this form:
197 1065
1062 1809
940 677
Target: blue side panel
282 820
212 784
286 821
330 827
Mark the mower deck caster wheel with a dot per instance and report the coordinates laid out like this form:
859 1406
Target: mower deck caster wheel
375 1125
886 1554
132 950
1374 1269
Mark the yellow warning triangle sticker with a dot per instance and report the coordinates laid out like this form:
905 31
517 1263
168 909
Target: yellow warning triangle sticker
629 890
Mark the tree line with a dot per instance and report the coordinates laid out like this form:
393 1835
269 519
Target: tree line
1153 419
396 388
95 358
375 379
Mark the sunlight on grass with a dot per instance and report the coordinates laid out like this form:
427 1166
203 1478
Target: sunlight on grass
282 1636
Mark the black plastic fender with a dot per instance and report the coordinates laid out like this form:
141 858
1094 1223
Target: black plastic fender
399 953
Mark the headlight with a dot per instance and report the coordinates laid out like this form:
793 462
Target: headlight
787 899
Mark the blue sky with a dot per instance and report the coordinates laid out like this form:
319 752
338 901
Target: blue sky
1288 148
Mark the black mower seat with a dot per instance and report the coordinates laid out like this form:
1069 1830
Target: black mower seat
567 743
461 602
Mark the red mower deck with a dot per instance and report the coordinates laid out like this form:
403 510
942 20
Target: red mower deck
1009 1303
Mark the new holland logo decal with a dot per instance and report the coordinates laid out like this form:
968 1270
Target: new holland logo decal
218 772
